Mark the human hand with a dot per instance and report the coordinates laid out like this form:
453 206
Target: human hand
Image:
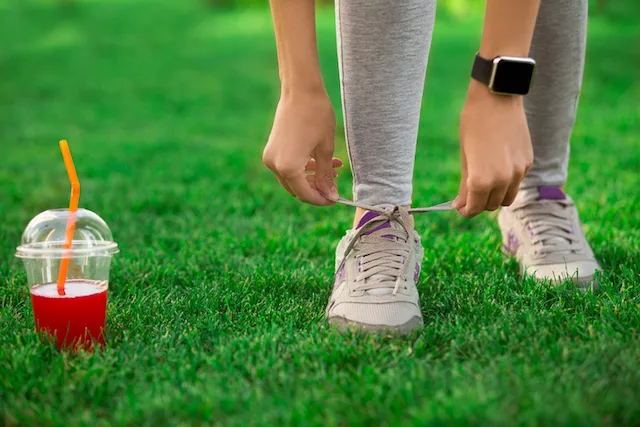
300 147
495 150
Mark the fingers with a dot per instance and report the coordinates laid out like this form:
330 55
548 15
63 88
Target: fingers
496 198
500 191
488 191
324 176
299 186
511 193
477 197
303 190
284 184
294 181
461 199
311 165
513 189
269 163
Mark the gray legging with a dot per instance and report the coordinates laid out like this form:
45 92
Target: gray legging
383 47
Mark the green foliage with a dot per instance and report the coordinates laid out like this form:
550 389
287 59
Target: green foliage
459 8
455 8
618 10
613 9
217 298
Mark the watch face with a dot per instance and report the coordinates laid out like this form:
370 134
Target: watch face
512 76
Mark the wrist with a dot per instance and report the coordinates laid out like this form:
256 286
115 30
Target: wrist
303 89
479 92
301 77
491 51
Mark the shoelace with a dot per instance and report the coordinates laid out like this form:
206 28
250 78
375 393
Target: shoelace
549 223
385 256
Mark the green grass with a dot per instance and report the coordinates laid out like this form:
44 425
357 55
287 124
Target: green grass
217 298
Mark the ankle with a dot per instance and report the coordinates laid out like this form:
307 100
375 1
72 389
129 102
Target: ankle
356 218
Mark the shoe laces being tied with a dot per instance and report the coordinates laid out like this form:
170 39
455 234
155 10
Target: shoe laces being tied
383 251
550 226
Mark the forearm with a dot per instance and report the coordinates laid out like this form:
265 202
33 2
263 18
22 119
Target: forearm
295 31
508 27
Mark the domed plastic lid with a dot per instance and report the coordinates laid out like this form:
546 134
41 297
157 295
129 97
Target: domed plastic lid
45 235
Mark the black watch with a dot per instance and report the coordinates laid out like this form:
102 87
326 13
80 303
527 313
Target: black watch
504 75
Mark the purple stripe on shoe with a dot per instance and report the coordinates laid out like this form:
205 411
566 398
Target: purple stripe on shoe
551 193
512 243
368 216
341 275
416 274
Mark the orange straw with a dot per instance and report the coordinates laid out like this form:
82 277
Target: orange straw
73 208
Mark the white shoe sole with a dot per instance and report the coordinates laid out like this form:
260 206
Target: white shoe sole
409 326
584 283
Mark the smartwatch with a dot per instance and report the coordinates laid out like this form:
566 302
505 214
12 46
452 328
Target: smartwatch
504 75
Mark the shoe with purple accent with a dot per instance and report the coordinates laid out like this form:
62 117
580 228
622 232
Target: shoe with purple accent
377 267
542 230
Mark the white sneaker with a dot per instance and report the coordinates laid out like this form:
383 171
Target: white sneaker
377 267
542 230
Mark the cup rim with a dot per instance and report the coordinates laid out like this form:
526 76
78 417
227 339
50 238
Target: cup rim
37 250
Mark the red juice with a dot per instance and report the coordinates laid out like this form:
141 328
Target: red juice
75 319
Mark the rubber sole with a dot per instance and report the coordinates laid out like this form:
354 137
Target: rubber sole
585 283
411 325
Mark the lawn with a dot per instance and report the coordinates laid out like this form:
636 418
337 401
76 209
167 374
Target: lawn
217 298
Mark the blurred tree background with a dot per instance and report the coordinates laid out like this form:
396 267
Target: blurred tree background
613 9
618 10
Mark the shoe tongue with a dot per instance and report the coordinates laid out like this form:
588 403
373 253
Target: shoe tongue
545 192
376 226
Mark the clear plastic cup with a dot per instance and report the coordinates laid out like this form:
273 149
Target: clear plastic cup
77 318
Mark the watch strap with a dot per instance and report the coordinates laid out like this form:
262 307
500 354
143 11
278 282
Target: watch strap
482 69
